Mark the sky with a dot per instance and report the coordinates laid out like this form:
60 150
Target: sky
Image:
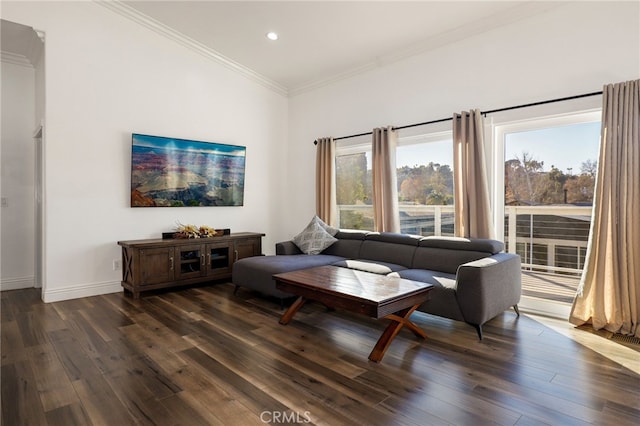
436 152
563 147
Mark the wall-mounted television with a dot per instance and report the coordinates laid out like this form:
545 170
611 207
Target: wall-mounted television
170 172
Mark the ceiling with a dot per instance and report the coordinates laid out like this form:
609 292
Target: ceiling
320 41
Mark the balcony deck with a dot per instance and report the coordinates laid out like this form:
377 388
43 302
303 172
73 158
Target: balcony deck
556 287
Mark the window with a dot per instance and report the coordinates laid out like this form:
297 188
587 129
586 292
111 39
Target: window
546 188
425 184
353 187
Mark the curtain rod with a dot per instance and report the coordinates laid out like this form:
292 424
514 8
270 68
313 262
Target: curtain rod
549 101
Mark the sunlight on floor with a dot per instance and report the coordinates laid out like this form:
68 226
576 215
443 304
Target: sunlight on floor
621 354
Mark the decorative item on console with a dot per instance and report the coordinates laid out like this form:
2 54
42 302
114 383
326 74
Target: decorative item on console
192 231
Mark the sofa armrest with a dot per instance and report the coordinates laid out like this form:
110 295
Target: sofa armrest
287 247
488 286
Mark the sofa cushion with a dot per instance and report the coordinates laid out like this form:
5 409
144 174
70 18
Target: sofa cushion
467 244
395 238
389 247
382 268
314 238
348 244
444 260
437 278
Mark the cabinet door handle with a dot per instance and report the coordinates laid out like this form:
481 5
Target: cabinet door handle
171 263
236 255
208 258
202 259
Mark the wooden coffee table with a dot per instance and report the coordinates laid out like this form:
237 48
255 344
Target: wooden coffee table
374 295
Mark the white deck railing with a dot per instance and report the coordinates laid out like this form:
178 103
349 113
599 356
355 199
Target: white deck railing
552 229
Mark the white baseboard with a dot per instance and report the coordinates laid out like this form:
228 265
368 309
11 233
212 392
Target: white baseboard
17 283
79 291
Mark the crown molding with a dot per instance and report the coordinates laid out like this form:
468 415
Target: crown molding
146 21
36 47
15 59
21 45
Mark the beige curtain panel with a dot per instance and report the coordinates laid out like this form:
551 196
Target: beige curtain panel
326 208
609 292
386 216
472 206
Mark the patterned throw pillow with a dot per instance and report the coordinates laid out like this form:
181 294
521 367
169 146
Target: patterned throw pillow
313 239
330 229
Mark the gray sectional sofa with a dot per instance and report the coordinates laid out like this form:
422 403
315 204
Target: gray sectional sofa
473 280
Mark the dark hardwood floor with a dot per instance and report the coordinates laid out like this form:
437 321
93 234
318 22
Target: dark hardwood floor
203 356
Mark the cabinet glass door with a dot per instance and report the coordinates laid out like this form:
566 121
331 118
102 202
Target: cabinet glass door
190 261
218 258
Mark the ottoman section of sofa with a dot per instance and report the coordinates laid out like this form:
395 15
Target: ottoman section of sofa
256 273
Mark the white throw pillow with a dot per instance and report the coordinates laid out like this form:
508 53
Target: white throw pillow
314 238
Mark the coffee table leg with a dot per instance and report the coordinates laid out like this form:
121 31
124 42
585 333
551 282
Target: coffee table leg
398 320
405 322
288 315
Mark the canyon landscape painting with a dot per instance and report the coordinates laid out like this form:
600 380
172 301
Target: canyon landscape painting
169 172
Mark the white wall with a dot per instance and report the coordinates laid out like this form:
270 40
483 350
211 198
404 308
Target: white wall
17 159
571 49
107 77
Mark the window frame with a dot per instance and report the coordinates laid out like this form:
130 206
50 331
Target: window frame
422 138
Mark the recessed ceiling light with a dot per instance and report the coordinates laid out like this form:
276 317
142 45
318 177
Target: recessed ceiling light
272 36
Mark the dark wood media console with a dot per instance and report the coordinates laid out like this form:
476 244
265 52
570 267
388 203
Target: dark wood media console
156 263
